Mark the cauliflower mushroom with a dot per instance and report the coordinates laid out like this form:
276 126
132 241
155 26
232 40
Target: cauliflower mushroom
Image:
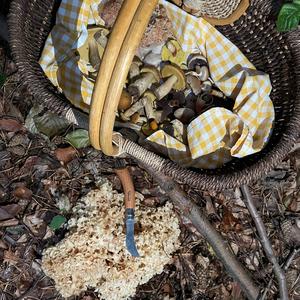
93 254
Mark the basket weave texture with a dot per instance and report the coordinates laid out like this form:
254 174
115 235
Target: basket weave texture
255 34
219 9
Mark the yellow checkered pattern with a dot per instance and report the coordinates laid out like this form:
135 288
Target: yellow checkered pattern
60 59
215 136
219 134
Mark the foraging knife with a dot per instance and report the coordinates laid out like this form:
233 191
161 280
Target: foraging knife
129 193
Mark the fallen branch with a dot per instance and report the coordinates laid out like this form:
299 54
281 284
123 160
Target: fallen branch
261 229
191 211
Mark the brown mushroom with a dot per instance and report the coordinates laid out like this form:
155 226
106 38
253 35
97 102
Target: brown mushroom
125 101
206 87
185 115
175 80
149 75
149 104
194 82
125 116
134 70
136 118
129 125
198 63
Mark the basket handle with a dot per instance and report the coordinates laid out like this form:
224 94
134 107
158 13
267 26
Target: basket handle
108 89
108 62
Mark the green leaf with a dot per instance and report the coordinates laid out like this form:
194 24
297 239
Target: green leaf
78 138
289 17
296 2
57 221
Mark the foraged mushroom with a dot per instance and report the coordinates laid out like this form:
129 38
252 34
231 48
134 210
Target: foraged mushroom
185 115
149 104
94 56
206 87
149 75
179 131
93 254
198 63
134 70
125 116
175 80
136 118
125 101
101 37
128 125
194 82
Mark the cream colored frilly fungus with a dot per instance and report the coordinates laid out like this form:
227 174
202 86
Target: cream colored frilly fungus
94 255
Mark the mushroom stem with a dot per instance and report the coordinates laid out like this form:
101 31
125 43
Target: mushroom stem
137 88
166 87
128 125
134 70
133 109
94 54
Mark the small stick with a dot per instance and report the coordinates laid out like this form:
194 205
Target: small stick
190 210
285 267
261 229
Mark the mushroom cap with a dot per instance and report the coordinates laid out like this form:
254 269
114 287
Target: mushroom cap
153 71
150 95
171 69
137 60
125 101
196 59
185 115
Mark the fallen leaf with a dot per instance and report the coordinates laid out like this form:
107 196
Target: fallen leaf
78 138
228 220
57 222
13 209
11 125
10 257
4 215
36 225
50 124
65 155
8 223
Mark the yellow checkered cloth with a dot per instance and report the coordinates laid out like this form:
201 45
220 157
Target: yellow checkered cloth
216 135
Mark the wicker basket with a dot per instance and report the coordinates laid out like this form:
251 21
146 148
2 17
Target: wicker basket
254 33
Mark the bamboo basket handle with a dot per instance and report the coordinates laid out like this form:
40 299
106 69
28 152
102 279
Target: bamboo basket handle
108 62
117 82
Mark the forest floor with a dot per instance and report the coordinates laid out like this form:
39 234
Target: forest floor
43 176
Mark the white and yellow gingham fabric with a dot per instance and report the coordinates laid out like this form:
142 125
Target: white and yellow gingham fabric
216 135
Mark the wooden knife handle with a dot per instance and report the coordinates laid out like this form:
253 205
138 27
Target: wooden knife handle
128 187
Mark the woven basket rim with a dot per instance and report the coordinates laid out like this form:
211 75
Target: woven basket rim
230 177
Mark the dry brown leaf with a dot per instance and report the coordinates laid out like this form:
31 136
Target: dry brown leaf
4 215
11 125
10 257
8 223
65 155
13 209
22 192
229 222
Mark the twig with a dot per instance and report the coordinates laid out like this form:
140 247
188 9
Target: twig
285 267
191 211
261 229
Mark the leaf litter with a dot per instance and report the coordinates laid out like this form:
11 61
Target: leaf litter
43 175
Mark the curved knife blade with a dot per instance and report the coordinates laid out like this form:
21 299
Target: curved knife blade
130 243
